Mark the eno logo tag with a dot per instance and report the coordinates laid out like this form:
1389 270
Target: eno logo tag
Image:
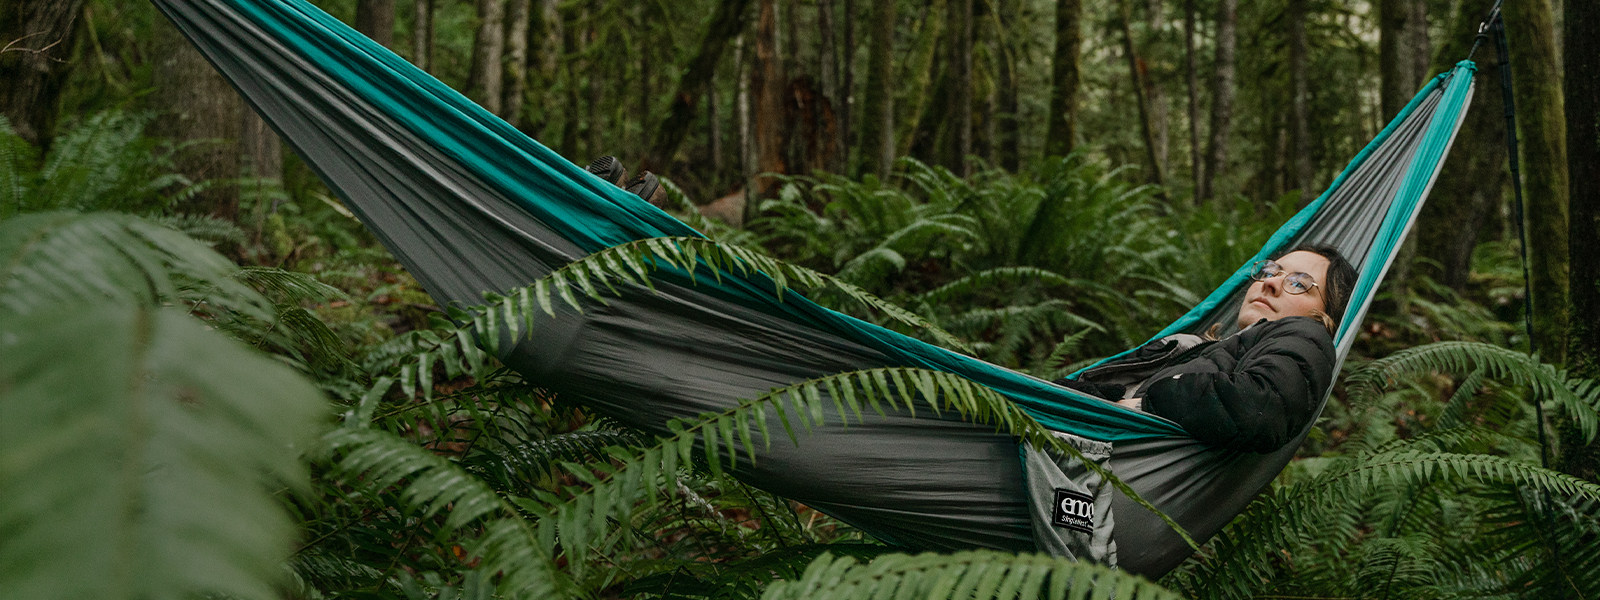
1073 511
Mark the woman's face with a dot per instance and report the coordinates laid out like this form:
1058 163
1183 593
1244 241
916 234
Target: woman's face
1267 299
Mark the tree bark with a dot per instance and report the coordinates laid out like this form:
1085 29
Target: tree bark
519 19
1300 112
1063 128
830 80
422 35
1155 95
542 66
36 37
1396 80
1138 74
197 105
916 73
1192 77
1542 126
1469 186
1581 62
747 162
725 25
488 48
961 96
768 81
1007 132
877 127
375 19
1222 96
847 83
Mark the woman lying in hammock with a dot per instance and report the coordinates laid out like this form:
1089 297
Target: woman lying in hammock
1257 388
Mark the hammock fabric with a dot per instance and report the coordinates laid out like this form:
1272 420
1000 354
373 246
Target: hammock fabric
469 204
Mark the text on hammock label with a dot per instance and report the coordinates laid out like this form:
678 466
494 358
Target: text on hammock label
1073 511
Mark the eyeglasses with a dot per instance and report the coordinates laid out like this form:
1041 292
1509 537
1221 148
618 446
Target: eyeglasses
1294 283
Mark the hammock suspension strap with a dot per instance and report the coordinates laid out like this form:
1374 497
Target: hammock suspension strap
1498 24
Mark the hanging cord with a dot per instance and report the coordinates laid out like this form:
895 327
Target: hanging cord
1499 26
1483 29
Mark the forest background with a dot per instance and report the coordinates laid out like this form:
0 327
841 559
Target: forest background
1049 182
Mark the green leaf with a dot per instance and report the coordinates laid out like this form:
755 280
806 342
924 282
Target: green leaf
135 451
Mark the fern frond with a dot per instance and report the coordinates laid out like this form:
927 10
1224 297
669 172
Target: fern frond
288 286
963 575
1578 398
435 484
134 445
16 165
1244 555
49 259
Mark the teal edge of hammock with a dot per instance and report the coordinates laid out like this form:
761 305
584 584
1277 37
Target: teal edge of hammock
596 215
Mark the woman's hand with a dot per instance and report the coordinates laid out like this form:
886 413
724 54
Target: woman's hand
1135 403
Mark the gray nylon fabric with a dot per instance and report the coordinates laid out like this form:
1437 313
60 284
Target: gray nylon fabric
925 483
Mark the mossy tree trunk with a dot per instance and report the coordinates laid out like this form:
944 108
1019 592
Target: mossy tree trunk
877 119
1063 128
1222 96
1581 63
37 36
1541 128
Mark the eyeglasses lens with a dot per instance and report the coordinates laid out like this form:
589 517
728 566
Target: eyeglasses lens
1298 283
1266 269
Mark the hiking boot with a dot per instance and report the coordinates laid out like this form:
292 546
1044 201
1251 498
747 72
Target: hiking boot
610 169
648 187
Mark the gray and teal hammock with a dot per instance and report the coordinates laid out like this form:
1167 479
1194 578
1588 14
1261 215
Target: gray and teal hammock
471 205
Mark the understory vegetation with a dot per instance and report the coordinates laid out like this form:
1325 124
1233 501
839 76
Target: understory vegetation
273 408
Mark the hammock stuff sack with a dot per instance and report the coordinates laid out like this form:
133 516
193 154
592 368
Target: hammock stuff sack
470 205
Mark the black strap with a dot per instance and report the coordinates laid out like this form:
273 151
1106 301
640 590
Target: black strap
1499 26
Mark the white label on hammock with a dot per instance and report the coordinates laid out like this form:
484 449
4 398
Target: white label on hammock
1073 511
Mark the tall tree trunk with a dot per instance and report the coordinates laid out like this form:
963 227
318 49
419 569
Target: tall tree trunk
1155 95
197 105
1581 62
36 37
1222 95
847 84
961 96
747 155
572 118
1421 47
1007 132
768 81
422 34
917 73
545 39
830 80
1542 127
1396 79
519 19
1469 186
592 73
262 160
1192 78
726 24
375 19
1063 129
262 150
877 127
1137 72
1300 112
488 48
714 130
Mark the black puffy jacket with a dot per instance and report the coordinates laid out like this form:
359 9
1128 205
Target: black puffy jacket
1254 390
